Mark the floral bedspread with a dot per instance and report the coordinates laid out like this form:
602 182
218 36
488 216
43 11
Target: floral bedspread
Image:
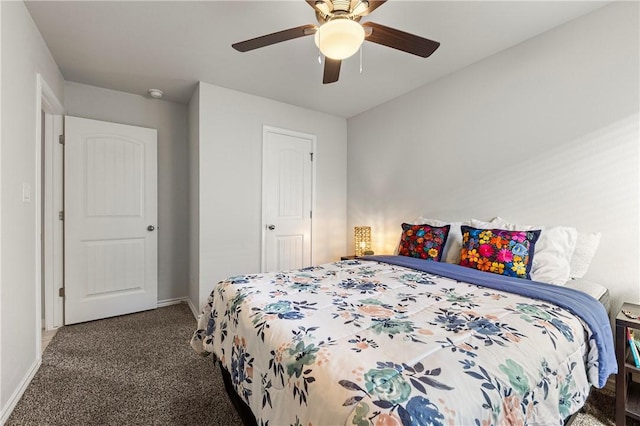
368 343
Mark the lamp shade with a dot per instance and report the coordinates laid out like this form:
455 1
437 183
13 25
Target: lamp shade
339 38
362 239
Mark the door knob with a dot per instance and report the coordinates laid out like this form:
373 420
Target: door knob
150 228
271 227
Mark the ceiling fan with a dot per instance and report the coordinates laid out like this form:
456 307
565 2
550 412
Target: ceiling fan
340 34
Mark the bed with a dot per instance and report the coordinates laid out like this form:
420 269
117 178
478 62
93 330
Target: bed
395 340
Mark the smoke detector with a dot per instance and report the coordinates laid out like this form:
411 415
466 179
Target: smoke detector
156 93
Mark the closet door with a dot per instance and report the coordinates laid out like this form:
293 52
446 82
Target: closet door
287 190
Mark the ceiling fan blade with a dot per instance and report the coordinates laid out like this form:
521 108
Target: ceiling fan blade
373 5
269 39
331 70
400 40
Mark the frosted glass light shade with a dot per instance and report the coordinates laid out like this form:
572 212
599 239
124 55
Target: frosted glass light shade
339 38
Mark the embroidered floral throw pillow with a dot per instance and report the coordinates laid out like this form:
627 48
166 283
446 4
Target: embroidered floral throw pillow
423 241
499 251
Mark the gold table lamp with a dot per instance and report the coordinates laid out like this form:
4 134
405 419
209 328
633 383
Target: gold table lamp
362 239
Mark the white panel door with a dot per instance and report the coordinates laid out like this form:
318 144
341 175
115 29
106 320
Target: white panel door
286 199
110 219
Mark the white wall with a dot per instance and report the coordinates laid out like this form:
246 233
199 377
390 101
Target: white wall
24 54
2 401
230 159
194 200
170 119
543 133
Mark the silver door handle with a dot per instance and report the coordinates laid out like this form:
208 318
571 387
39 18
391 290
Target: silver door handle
271 227
150 228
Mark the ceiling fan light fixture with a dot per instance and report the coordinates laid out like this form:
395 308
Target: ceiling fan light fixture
339 38
361 7
323 7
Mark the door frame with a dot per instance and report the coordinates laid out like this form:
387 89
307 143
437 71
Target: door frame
48 102
271 129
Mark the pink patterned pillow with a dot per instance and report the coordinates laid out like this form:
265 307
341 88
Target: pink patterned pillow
499 251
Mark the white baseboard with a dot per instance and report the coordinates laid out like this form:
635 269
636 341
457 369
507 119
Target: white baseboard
194 310
176 300
169 302
6 411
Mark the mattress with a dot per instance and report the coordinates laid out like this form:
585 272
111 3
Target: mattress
595 290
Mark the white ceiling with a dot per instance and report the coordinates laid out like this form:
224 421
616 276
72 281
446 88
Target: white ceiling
135 46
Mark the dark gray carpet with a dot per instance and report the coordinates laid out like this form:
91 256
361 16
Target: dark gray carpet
131 370
140 370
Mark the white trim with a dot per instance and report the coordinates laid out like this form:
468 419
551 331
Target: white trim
17 394
194 310
2 414
38 215
47 101
47 190
178 300
53 227
50 102
169 302
271 129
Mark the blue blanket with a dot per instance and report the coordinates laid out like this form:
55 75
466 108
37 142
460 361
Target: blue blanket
580 304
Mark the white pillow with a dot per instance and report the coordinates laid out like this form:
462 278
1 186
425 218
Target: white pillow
553 250
481 224
586 247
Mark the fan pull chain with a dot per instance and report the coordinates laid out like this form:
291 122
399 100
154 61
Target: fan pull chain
360 59
319 52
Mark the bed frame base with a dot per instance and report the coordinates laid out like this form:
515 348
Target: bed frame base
571 418
248 419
